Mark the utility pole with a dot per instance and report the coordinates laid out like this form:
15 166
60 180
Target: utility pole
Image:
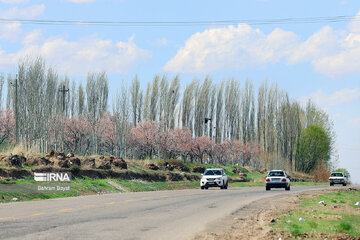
16 110
63 90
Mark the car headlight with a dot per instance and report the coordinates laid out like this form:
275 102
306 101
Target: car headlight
218 179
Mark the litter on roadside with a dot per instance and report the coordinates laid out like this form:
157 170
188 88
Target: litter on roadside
357 204
322 202
14 199
302 220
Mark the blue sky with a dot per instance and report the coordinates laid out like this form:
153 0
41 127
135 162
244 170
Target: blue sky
317 60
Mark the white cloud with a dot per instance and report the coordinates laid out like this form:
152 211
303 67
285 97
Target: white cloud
85 55
161 42
25 13
231 48
68 57
334 53
14 1
12 32
338 98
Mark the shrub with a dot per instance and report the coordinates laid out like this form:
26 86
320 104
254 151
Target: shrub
295 230
345 226
321 172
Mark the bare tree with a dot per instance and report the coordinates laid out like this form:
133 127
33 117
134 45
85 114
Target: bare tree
219 113
135 99
232 114
154 100
248 113
188 104
81 100
146 108
202 108
97 97
164 99
2 80
261 114
173 99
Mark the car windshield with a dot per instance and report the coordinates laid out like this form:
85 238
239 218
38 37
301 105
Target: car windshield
336 175
276 174
212 172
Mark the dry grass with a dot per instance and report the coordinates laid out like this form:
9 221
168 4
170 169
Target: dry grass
321 172
22 150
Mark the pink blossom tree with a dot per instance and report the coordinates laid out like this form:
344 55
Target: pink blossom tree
7 126
202 146
143 138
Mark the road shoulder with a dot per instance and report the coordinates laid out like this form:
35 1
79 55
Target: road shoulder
252 221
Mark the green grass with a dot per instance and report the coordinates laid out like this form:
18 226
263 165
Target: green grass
78 187
140 186
323 219
83 186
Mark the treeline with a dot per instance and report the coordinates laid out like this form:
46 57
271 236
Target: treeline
46 111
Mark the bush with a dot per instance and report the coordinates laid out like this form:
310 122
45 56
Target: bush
176 164
295 230
313 225
321 172
344 226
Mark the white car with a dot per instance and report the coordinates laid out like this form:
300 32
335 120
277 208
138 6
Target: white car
338 178
214 177
277 179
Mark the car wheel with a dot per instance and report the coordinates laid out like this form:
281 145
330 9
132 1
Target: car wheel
268 189
287 188
206 187
202 187
226 185
344 184
331 184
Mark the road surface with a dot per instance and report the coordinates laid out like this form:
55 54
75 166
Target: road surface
145 215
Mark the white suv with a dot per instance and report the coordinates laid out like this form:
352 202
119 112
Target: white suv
214 177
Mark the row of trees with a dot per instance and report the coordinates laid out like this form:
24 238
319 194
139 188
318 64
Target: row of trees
54 112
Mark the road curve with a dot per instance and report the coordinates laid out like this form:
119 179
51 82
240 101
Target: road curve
145 215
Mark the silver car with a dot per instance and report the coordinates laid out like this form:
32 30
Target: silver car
277 179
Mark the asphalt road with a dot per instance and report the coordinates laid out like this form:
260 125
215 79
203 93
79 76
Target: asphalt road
145 215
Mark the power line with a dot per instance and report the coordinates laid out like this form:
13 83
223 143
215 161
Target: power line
305 20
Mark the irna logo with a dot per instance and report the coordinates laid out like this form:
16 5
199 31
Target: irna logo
52 177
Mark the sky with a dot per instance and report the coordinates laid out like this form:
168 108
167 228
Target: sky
318 60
